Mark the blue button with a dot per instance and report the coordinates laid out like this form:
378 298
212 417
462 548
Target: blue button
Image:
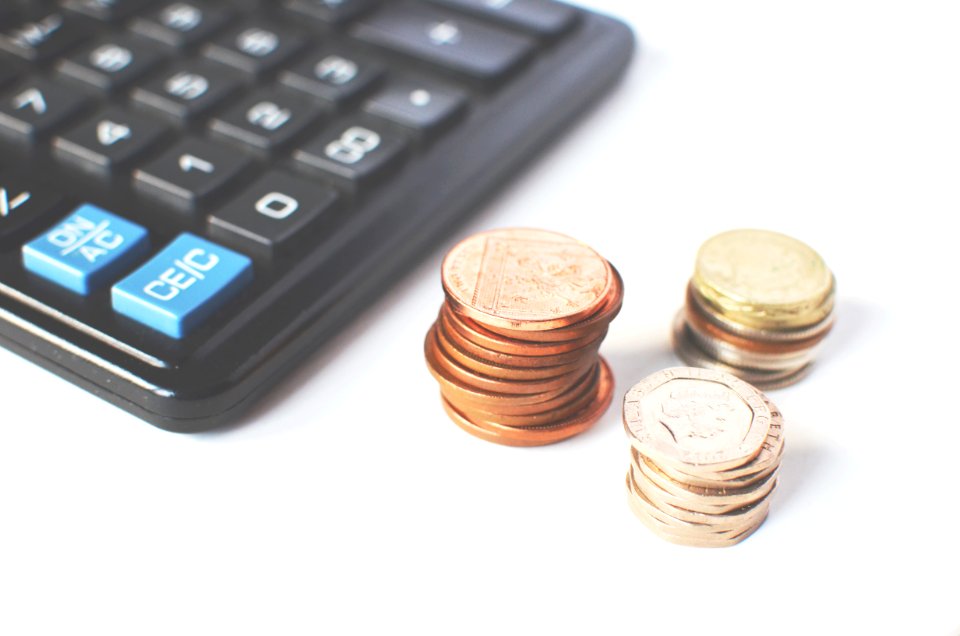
86 250
182 285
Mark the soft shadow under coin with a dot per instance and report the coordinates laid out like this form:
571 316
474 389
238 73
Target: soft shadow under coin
632 365
802 464
854 320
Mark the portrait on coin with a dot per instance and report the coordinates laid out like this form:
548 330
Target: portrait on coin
702 418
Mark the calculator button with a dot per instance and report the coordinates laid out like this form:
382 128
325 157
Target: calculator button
183 285
111 64
43 38
423 107
86 250
254 49
35 109
353 152
181 24
329 11
266 119
190 174
106 10
21 206
187 91
333 76
540 17
275 213
109 141
460 44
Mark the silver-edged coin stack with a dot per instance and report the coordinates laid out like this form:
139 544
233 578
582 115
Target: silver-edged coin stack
758 306
705 455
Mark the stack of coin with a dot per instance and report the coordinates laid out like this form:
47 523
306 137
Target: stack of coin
706 450
515 348
758 306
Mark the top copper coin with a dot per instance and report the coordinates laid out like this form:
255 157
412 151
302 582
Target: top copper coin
764 279
697 420
528 280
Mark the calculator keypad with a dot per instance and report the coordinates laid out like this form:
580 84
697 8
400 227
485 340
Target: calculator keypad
180 177
199 98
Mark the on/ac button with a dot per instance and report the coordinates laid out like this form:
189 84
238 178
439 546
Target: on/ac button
86 250
182 286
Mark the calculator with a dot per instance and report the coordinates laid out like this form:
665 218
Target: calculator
196 195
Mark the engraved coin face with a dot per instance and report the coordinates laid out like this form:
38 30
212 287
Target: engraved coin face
525 279
764 274
690 417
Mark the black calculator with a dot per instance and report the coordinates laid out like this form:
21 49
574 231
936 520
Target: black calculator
196 195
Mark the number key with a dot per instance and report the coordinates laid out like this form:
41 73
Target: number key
254 49
276 212
181 24
354 152
111 64
266 119
32 111
109 141
190 174
334 75
187 91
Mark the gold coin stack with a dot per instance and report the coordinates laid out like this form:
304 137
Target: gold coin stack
758 306
515 347
705 453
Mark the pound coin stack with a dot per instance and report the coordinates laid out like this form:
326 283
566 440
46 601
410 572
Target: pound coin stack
515 347
758 306
705 453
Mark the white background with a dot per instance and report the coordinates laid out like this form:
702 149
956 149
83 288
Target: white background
349 504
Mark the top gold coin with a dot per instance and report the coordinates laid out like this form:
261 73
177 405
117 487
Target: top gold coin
524 279
696 420
764 279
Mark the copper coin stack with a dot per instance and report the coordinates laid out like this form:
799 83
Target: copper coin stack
705 454
515 347
758 306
